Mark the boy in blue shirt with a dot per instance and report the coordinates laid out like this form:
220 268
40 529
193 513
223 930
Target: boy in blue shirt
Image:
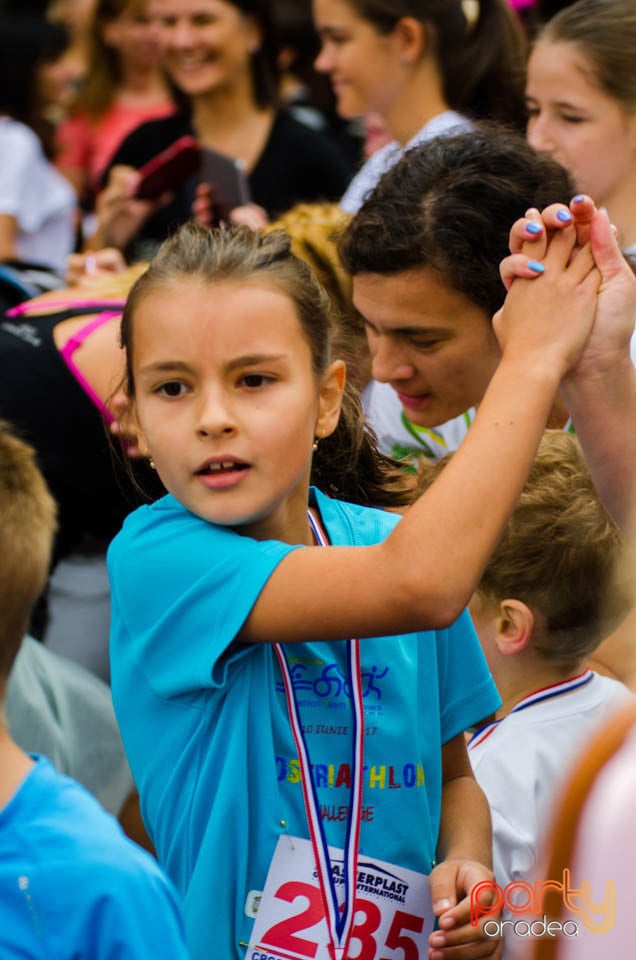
71 884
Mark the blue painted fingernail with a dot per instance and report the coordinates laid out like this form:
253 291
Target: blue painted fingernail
564 216
536 266
578 198
534 228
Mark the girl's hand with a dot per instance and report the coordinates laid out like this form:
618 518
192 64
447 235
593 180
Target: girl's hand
613 328
203 204
83 269
119 214
250 215
530 235
451 883
550 317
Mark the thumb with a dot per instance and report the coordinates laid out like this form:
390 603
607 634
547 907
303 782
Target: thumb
442 882
607 253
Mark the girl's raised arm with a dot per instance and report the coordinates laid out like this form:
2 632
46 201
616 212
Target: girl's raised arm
424 573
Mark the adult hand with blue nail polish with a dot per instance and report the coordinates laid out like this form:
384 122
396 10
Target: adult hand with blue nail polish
600 390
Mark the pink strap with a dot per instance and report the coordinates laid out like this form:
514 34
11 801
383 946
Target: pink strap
29 305
71 346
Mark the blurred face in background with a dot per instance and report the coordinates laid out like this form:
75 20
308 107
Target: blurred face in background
135 34
582 127
363 65
207 44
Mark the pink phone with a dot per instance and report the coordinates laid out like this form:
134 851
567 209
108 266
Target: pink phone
169 168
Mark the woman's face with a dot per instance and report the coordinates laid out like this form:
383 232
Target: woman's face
363 65
207 44
582 127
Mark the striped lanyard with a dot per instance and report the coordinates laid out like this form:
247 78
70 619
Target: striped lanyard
539 696
339 922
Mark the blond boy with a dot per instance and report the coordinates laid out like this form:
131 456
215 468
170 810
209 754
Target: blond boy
71 884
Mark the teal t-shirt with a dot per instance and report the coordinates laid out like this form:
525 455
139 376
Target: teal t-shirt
205 723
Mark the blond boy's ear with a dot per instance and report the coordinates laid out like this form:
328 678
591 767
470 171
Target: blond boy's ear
330 402
515 627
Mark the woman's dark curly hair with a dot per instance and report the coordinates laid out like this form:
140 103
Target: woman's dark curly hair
449 205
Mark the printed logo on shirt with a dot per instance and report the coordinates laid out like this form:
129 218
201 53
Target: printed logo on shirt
330 686
380 776
23 331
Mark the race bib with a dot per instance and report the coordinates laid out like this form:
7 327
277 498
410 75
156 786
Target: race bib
393 911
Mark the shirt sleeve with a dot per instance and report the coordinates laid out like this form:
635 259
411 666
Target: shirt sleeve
19 150
467 690
181 590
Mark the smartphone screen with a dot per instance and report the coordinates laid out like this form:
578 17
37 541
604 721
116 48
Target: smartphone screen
228 181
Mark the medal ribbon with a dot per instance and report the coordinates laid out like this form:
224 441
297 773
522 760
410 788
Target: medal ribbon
339 923
539 696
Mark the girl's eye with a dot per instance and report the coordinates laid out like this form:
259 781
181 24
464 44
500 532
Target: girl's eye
173 388
255 380
572 118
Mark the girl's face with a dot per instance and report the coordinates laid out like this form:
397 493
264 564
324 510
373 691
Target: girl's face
363 65
228 405
207 44
135 34
577 123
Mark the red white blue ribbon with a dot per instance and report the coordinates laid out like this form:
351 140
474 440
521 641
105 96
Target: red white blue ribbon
559 689
339 922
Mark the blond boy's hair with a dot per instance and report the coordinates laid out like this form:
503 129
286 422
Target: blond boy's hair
558 554
27 526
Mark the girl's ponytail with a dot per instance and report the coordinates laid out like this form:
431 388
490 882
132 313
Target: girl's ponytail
348 465
484 76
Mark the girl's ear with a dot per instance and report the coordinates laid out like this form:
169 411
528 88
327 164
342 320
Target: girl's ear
515 626
413 39
126 426
330 400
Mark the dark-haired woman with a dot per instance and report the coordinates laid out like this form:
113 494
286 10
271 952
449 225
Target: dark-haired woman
221 56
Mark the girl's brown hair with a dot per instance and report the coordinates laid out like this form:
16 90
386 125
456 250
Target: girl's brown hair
346 464
104 76
480 50
605 33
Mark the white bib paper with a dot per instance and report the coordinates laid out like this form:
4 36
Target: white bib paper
393 911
